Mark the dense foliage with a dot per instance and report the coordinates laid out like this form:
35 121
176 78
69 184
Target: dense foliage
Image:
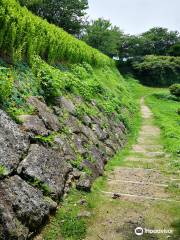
23 35
102 35
158 70
75 80
156 41
6 83
175 90
68 14
175 50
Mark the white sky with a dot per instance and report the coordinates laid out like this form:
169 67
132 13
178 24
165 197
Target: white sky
137 16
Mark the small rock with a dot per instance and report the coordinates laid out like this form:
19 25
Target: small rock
82 202
87 120
76 173
66 104
45 113
84 183
32 123
116 196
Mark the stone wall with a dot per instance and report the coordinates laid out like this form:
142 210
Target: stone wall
44 154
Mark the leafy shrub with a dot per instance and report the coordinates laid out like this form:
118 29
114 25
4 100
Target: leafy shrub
6 84
3 171
158 70
23 35
175 90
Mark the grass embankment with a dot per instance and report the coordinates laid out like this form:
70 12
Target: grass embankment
165 108
23 35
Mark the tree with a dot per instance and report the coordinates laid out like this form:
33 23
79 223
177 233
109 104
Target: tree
102 35
175 50
156 41
132 46
68 14
160 40
158 70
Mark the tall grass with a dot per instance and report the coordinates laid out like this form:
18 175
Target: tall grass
23 35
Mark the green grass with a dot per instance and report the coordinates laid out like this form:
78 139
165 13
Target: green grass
23 35
166 117
66 222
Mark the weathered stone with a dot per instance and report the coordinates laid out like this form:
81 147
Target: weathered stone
76 173
98 158
45 113
46 166
73 124
84 183
32 123
89 134
102 135
92 167
58 111
111 143
13 143
62 144
66 104
87 120
23 209
79 142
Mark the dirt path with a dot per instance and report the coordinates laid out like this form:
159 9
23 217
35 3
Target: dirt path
136 194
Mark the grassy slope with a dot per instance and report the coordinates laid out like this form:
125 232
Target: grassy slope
165 111
23 35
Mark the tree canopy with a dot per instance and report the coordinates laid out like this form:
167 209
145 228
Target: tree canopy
68 14
157 41
102 35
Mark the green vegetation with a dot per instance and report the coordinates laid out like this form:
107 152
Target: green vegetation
3 171
23 35
48 139
175 90
6 83
165 110
102 35
48 62
66 222
159 70
67 14
77 80
43 186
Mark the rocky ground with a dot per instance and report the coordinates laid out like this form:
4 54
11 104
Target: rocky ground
138 193
44 153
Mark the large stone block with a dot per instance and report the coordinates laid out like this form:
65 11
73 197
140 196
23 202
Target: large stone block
23 209
13 143
47 167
